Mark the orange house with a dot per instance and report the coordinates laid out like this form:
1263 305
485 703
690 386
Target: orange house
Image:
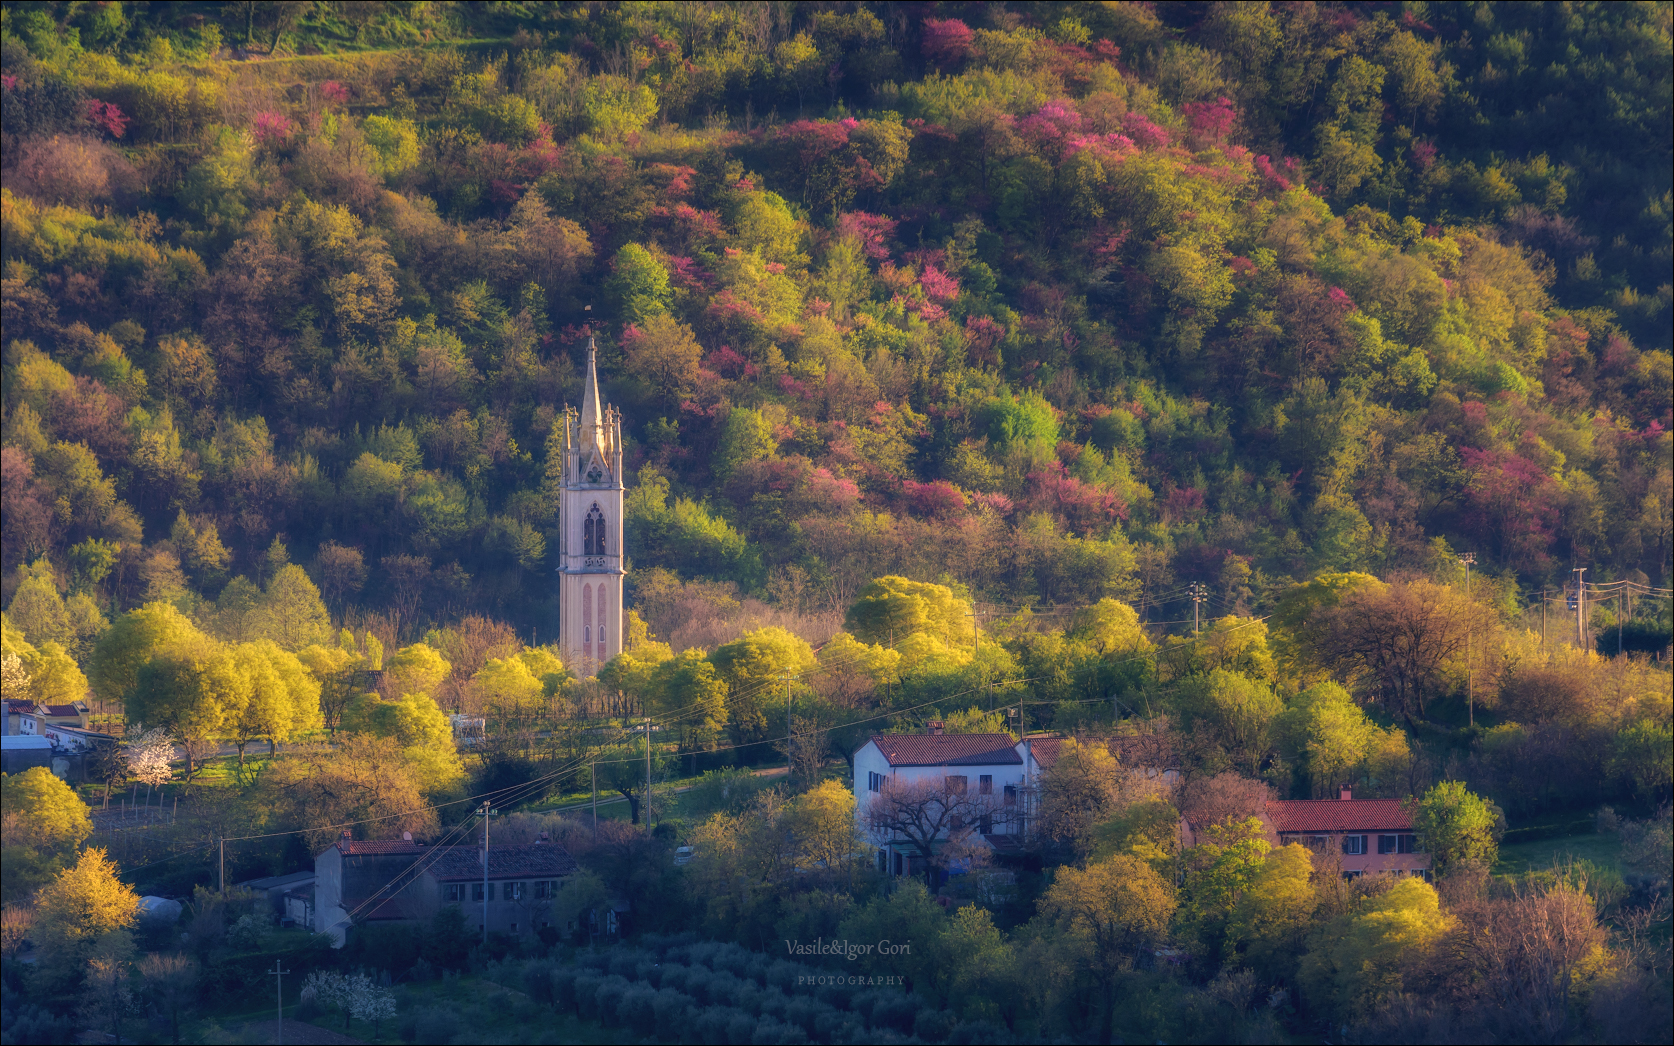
1372 836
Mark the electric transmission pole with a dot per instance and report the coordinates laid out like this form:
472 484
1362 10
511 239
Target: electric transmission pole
1468 560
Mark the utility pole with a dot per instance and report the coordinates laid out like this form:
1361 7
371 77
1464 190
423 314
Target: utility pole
1621 608
279 990
1199 595
1543 598
223 864
593 772
1580 608
647 772
976 651
1468 560
486 812
790 760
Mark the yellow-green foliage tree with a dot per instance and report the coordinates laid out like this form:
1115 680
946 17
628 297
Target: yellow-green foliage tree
82 908
45 821
1361 959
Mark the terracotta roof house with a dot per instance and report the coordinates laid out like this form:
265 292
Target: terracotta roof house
377 880
983 765
1361 835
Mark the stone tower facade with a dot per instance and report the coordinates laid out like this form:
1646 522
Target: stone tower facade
590 508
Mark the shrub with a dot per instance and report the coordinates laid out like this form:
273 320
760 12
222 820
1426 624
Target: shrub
624 962
833 1025
586 996
674 976
671 1010
697 985
436 1024
607 997
804 1010
636 1010
649 971
537 980
771 1032
970 1033
724 989
782 974
563 987
741 1027
894 1010
934 1025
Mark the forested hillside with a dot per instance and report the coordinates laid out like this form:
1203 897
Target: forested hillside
1235 389
1077 302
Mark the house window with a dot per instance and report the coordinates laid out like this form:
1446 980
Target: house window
1406 844
985 824
956 784
1387 844
1354 844
542 890
874 781
1011 795
1317 843
985 784
514 891
477 891
454 891
883 862
1351 875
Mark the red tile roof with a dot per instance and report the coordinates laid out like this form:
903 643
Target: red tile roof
380 847
1045 750
1339 815
947 749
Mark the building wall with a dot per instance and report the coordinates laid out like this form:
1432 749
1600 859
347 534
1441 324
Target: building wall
870 760
518 917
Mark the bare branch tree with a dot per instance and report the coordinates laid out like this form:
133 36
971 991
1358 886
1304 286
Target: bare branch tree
924 813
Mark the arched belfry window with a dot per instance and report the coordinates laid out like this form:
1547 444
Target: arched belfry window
593 533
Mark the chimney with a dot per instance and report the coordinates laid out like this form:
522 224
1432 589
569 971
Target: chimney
543 839
934 728
1348 793
344 841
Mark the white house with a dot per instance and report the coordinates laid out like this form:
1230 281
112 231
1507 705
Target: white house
976 764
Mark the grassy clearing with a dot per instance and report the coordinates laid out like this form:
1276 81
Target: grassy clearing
1536 855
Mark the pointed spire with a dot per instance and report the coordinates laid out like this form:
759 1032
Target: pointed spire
592 417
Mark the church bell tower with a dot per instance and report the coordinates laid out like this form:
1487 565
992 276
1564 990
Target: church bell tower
591 569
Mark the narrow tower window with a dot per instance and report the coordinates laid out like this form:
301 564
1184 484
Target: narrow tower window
603 649
587 621
593 533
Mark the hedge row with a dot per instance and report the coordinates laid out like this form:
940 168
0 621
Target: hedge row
677 990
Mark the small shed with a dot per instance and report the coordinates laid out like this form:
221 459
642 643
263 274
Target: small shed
19 752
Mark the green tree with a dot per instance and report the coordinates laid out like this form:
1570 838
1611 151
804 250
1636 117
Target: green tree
81 907
752 666
1270 922
1359 960
1121 907
891 608
639 282
42 813
38 611
55 679
291 613
1236 711
132 641
284 697
1219 871
664 354
195 690
1457 827
747 437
